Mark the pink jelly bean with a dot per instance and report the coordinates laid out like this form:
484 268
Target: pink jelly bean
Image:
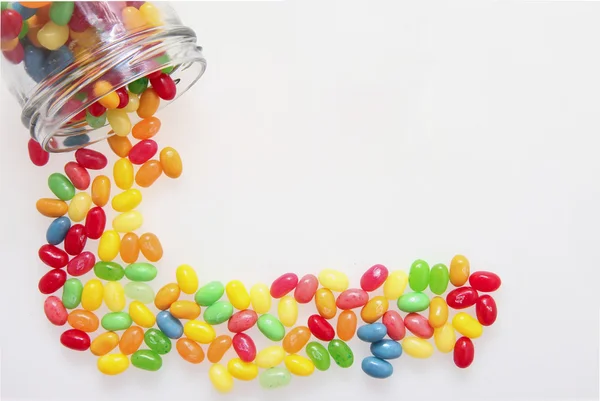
418 325
55 311
373 278
306 289
283 285
394 324
242 321
78 175
81 264
352 298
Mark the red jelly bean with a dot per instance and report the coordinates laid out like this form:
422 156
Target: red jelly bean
154 75
91 159
461 298
123 97
164 86
244 347
75 339
10 24
283 285
143 151
352 298
485 281
306 289
394 324
242 321
75 239
374 278
321 328
464 352
486 310
79 21
81 264
96 109
78 175
53 256
37 155
136 4
55 311
95 222
79 116
16 55
52 281
418 325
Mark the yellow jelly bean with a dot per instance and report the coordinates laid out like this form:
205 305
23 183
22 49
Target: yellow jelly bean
220 378
394 285
467 325
132 18
325 302
108 246
79 206
53 36
113 364
85 39
299 365
151 14
202 332
170 162
288 310
459 270
185 309
133 104
242 370
260 297
128 221
444 338
438 312
141 315
119 121
166 296
334 280
104 343
92 295
237 294
114 296
417 347
109 98
123 173
100 190
187 279
374 309
127 200
8 45
270 356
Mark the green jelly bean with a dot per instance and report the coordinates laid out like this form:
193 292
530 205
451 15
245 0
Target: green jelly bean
109 271
438 279
418 277
318 355
141 272
274 378
341 353
271 327
114 321
5 5
61 12
218 312
140 292
81 96
61 186
209 293
157 341
24 30
413 302
72 290
168 70
146 359
162 59
138 86
95 122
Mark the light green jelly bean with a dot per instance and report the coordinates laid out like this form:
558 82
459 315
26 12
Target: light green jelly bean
274 378
24 30
271 327
81 96
418 277
95 122
109 271
140 292
114 321
218 312
318 355
5 5
61 12
157 341
438 279
341 353
413 302
141 272
61 186
146 359
72 290
209 293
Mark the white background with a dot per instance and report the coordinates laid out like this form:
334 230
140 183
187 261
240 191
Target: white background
347 133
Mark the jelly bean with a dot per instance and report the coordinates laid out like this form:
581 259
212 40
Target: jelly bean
260 298
141 272
187 279
128 221
171 162
374 278
109 271
127 200
352 298
220 378
374 309
75 339
123 98
395 284
83 320
91 159
53 36
386 349
438 312
157 341
141 315
108 247
132 18
485 281
35 4
461 298
129 249
444 338
16 56
296 339
119 122
61 186
59 60
78 175
61 12
104 343
376 367
148 173
201 332
146 359
237 294
334 280
287 311
413 302
96 109
133 104
72 290
35 59
169 325
218 347
299 365
283 285
25 12
143 151
418 325
242 321
92 295
138 86
341 353
346 325
151 247
151 14
189 350
320 328
57 230
114 296
146 128
95 122
101 190
417 347
271 327
438 279
371 332
325 302
209 294
149 102
10 24
51 207
394 324
418 277
270 356
464 352
79 206
459 270
22 33
95 221
120 145
318 355
306 289
78 21
9 45
486 310
75 239
166 296
244 347
37 154
52 281
141 292
466 325
113 364
114 321
108 98
55 311
123 173
275 377
185 310
164 86
131 340
53 256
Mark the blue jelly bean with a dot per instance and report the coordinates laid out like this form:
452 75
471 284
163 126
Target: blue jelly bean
77 140
371 332
25 12
35 60
377 368
386 349
58 60
57 230
169 325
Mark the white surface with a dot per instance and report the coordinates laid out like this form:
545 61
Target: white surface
344 134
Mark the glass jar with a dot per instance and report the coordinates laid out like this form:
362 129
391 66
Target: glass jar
67 62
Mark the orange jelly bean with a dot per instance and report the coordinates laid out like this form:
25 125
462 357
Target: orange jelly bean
296 339
43 11
34 4
438 312
83 320
185 309
325 303
104 343
33 32
149 102
374 309
100 190
130 248
218 348
166 296
171 162
146 128
189 350
131 340
148 173
51 207
120 145
346 325
151 247
459 270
